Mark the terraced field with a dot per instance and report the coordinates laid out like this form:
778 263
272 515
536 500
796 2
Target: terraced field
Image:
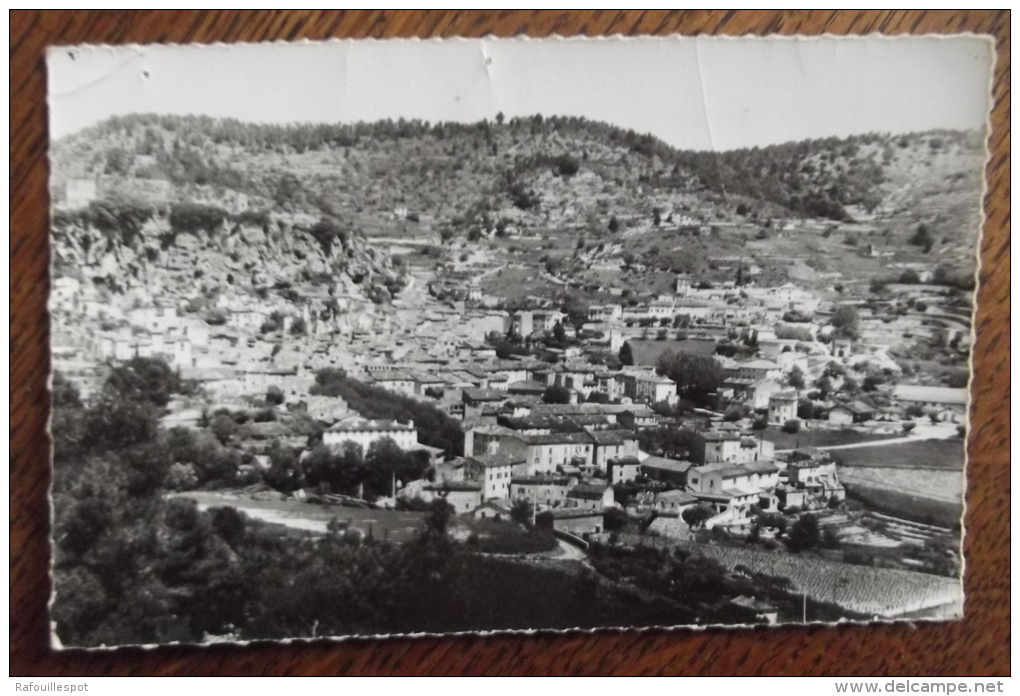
880 592
934 483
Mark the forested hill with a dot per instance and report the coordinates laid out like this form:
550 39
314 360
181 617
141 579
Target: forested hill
456 173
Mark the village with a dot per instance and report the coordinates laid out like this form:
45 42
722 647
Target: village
560 427
564 364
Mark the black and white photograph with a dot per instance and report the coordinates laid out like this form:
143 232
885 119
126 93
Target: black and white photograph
378 338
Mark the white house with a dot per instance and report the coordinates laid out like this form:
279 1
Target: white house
365 432
782 407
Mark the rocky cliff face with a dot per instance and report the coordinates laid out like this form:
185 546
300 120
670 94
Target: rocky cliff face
123 252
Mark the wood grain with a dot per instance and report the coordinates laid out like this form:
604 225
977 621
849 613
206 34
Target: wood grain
977 645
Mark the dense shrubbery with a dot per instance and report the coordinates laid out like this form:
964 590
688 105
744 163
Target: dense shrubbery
696 376
818 177
434 427
131 566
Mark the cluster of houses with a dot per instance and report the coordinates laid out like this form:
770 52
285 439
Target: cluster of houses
567 473
564 458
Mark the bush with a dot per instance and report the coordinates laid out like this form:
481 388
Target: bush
805 534
733 413
556 394
791 426
274 395
567 166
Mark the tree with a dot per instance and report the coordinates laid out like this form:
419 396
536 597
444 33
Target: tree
521 511
223 427
696 515
914 411
327 231
229 523
850 385
696 376
438 518
910 277
65 392
284 471
192 218
150 380
805 534
908 427
733 413
576 311
556 394
299 327
847 321
796 377
922 238
567 166
559 333
614 224
798 333
626 354
274 395
871 382
386 463
791 426
329 381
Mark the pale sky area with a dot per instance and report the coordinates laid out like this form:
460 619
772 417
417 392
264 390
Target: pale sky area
694 93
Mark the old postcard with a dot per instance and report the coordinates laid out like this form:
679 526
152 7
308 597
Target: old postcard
406 337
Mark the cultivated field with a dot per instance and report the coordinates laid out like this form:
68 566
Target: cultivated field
920 454
905 503
935 483
807 437
879 592
394 525
647 352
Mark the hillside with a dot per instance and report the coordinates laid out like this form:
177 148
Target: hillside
595 204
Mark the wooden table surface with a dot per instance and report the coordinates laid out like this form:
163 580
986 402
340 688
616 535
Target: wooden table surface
977 645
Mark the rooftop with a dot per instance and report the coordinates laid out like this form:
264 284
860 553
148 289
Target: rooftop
560 439
541 480
484 395
759 365
588 491
360 425
938 395
677 496
727 470
664 464
495 461
571 513
466 486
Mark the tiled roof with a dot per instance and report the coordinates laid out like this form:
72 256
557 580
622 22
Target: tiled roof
664 464
495 461
369 426
938 395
